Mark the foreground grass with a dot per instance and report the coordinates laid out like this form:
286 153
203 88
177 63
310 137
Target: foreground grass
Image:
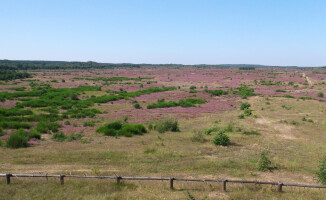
295 152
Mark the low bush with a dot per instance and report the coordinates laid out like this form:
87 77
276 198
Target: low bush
241 116
190 102
251 133
59 137
320 94
47 127
288 96
221 139
18 139
119 129
73 136
167 125
90 123
247 112
321 173
264 163
137 106
244 106
34 134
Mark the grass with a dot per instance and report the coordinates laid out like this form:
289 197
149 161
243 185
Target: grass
292 147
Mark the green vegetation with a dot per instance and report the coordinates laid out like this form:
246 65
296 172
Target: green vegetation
167 125
18 139
59 137
217 92
221 139
47 127
190 102
7 75
251 133
321 173
244 106
320 94
288 96
264 163
118 128
244 91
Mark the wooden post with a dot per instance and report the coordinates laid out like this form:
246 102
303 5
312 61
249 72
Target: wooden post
279 187
118 179
224 185
62 181
8 178
171 183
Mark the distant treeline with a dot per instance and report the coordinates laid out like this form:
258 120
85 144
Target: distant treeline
7 75
23 65
247 68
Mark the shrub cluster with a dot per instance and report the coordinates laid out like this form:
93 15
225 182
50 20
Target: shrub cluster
118 128
221 139
190 102
167 125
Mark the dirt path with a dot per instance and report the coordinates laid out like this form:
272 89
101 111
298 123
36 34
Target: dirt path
308 79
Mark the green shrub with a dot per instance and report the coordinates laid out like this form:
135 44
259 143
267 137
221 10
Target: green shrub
209 131
73 136
90 123
241 116
46 127
18 139
288 96
320 94
264 163
119 129
59 137
251 133
321 173
1 143
247 112
34 134
137 106
221 139
217 92
244 106
190 102
1 132
167 125
279 90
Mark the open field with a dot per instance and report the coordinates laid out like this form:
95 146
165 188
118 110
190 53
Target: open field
287 117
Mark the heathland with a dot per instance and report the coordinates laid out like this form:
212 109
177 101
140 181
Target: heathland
252 123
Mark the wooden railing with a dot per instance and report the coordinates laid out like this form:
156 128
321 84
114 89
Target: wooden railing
170 179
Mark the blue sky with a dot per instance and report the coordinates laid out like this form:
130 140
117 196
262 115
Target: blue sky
271 32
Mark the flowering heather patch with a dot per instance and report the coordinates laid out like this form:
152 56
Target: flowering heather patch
7 104
141 115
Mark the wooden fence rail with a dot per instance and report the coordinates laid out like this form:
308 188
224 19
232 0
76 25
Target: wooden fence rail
170 179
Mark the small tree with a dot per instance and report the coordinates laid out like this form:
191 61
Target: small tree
320 94
321 173
264 163
221 139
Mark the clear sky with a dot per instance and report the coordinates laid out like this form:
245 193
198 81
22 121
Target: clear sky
271 32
